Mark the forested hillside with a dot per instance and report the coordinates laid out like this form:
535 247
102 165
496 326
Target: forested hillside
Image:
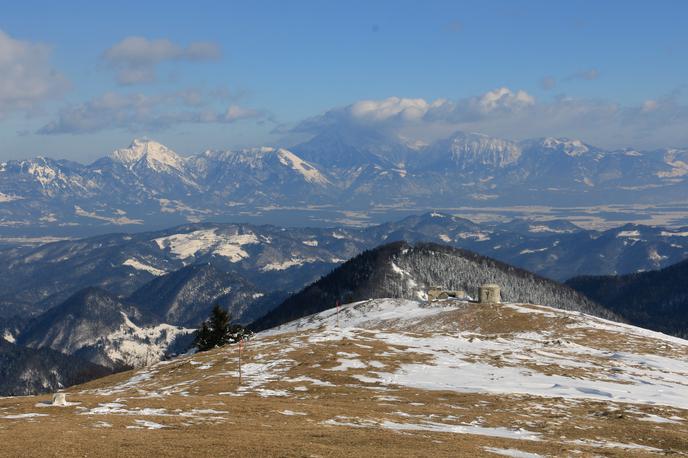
656 300
402 270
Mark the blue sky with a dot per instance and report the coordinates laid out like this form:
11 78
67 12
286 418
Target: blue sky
82 78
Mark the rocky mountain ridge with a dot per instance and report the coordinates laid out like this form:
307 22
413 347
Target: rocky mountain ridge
150 185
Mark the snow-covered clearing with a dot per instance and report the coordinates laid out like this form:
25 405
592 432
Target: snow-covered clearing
208 241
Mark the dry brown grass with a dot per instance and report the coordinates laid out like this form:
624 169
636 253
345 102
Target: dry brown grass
257 426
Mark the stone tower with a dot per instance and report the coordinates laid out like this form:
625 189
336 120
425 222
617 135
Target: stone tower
489 294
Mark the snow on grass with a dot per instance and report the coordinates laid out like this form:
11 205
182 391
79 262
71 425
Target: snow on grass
609 444
462 362
138 265
21 416
208 241
657 419
310 380
291 413
519 434
659 381
511 452
146 424
132 382
346 364
102 424
364 314
506 433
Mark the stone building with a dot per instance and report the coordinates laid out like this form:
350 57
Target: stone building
436 293
489 294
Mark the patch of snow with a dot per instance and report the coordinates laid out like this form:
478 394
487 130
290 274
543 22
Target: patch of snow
208 241
20 416
138 265
654 256
289 263
657 419
148 424
8 197
291 413
346 364
539 228
673 234
118 220
309 172
538 250
609 444
138 346
310 242
477 236
628 234
511 452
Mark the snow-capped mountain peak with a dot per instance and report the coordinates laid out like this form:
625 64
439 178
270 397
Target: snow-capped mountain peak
155 155
572 148
480 148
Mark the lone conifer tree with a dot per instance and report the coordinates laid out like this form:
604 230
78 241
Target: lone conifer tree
217 331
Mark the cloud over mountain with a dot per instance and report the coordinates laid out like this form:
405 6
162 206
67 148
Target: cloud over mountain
515 114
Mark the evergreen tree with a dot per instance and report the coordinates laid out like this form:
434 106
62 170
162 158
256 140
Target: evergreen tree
218 331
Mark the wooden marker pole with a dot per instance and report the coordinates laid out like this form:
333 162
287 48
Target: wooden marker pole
241 350
337 313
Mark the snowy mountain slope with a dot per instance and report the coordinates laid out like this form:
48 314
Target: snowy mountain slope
149 185
272 258
185 297
25 371
98 327
393 377
407 271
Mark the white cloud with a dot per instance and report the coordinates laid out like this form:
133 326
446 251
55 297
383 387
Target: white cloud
514 114
504 99
135 59
26 75
236 112
139 112
393 107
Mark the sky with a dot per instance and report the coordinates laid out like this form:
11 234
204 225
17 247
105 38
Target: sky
80 79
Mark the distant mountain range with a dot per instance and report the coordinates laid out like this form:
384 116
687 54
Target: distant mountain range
657 300
149 185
